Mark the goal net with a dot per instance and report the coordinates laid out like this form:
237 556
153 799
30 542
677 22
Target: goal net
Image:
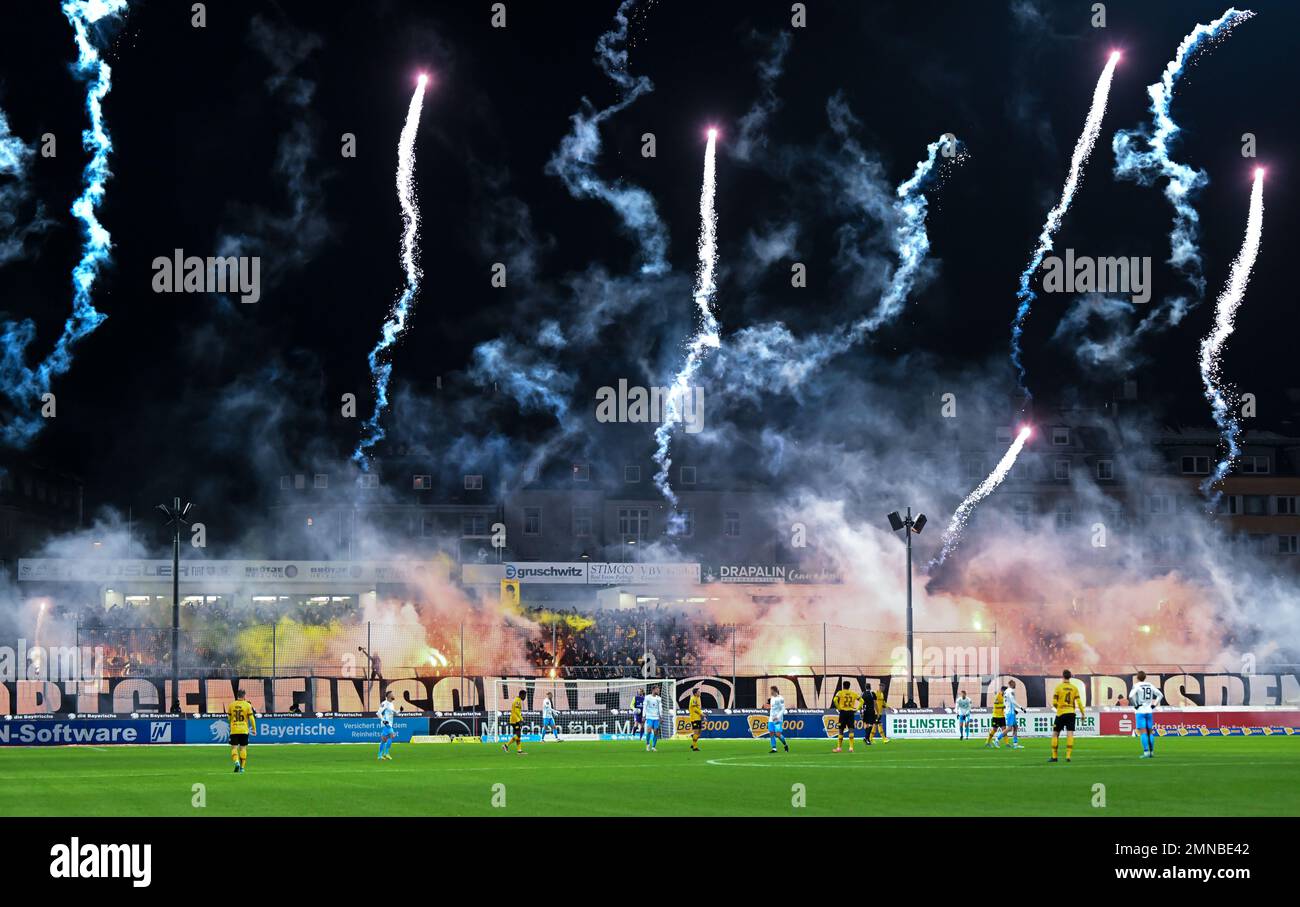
584 709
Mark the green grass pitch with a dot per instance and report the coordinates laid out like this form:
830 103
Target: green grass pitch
1235 776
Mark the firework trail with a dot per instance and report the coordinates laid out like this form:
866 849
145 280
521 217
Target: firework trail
706 335
575 160
23 385
911 240
1082 149
767 357
1212 346
1183 182
395 325
952 535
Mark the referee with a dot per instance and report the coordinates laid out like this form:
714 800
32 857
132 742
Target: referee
869 711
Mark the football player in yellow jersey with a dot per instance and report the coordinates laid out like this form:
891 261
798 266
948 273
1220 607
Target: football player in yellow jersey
846 702
880 717
999 720
696 717
516 724
1067 701
242 723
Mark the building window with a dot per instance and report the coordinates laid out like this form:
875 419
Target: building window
974 468
422 483
1254 504
1061 470
285 483
633 522
1115 513
473 525
631 474
1023 509
1158 504
1286 506
1229 504
1022 470
1257 544
1004 435
532 521
473 483
1105 470
320 480
300 482
1196 466
731 524
582 521
428 526
582 472
1253 466
688 475
1288 544
1060 436
1158 548
687 522
1064 515
368 480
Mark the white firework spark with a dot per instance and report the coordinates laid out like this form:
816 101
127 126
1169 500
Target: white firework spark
1082 150
952 535
395 325
707 335
1146 164
1225 313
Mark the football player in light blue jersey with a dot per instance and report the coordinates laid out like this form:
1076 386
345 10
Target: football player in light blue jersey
387 728
548 719
1013 726
776 720
653 708
1144 697
963 716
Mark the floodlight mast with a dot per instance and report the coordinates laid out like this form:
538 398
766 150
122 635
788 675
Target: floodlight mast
176 519
909 526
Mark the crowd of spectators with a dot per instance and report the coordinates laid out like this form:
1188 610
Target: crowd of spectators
616 643
1043 649
137 640
220 637
136 636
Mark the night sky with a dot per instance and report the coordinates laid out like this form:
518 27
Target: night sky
204 396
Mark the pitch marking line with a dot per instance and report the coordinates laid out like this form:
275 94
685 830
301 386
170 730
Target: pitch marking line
1093 762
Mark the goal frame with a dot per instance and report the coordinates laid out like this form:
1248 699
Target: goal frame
614 696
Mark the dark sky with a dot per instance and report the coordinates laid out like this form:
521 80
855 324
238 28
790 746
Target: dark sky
185 392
